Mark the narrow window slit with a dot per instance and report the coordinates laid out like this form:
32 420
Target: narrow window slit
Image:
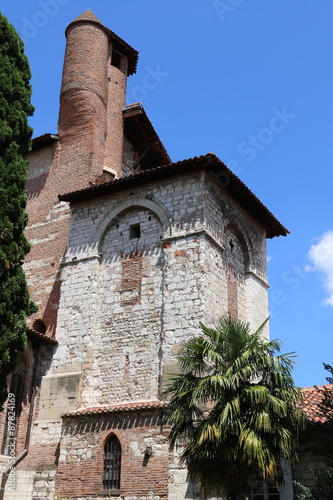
135 231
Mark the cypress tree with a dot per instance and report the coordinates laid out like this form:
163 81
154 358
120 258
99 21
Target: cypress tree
15 135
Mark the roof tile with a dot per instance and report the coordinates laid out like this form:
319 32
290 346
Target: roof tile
208 162
123 407
312 397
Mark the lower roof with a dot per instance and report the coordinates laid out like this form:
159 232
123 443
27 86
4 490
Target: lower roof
311 400
119 408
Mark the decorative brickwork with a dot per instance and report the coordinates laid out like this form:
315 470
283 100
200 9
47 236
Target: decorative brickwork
141 474
131 266
232 292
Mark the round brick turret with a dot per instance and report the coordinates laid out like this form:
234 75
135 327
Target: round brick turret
93 93
83 99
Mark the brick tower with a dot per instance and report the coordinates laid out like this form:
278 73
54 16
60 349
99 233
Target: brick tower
89 147
129 258
92 97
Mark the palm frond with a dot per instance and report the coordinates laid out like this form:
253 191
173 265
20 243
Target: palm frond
234 405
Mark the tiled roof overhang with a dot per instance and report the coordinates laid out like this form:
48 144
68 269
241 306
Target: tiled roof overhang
121 408
311 399
125 49
209 163
43 140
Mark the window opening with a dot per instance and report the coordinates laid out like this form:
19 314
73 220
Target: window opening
112 464
116 59
135 231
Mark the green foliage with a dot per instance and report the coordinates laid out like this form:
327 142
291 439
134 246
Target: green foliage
326 405
304 492
322 490
15 134
234 407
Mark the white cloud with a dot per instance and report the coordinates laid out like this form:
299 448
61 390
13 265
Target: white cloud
269 258
321 258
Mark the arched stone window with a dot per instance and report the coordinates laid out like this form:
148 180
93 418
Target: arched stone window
112 463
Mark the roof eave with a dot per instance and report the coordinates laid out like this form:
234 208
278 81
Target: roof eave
43 140
215 167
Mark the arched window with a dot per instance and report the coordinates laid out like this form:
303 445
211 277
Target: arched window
112 464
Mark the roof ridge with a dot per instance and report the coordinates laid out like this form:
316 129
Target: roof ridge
316 387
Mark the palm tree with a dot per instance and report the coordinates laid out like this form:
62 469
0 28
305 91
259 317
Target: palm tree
233 407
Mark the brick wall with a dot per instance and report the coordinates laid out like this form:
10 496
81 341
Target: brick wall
80 472
117 81
83 100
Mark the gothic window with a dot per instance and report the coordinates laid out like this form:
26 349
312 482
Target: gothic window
112 464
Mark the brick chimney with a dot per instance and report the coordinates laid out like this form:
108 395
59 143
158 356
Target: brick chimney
93 92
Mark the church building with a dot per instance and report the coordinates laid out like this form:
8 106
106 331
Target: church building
130 251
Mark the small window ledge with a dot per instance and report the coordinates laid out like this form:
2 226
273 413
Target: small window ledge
108 493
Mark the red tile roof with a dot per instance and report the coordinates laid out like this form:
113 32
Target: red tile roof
312 397
120 408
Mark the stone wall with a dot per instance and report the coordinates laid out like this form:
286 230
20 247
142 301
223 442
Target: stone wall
142 268
306 464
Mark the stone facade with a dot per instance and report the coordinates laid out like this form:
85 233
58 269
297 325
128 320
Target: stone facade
122 272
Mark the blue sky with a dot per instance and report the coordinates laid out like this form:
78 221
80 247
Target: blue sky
250 80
